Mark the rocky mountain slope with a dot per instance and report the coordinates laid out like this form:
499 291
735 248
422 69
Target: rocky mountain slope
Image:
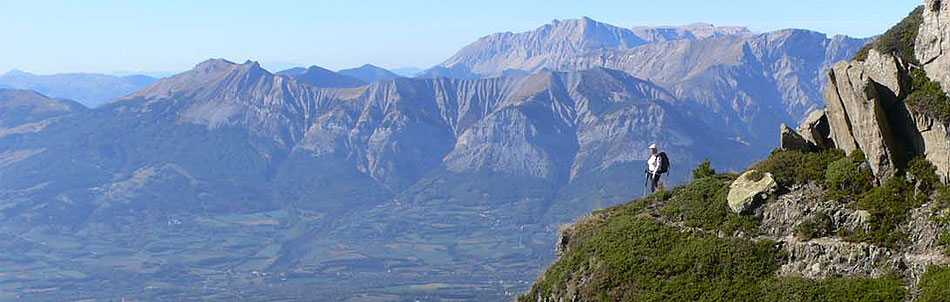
561 41
808 223
740 81
89 89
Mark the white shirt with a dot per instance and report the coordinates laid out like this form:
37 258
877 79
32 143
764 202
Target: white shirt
653 164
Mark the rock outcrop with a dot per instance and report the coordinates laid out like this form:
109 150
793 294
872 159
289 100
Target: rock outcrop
933 142
856 98
746 190
815 129
931 45
792 140
933 42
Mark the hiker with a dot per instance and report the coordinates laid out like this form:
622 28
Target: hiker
657 164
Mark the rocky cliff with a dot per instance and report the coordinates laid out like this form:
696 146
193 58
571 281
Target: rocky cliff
884 101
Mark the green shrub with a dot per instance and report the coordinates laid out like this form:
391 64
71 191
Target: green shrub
702 204
935 284
898 40
704 170
795 167
944 240
755 175
927 97
847 177
800 289
924 175
888 206
816 225
635 258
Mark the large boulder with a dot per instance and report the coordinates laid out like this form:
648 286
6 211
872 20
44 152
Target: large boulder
750 188
815 129
855 100
792 140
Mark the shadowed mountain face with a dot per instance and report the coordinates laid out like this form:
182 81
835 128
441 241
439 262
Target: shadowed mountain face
89 89
25 107
369 73
320 77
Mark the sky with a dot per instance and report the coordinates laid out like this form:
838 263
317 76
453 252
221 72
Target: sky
104 36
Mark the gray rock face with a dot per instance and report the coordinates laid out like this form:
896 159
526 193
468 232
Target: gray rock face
745 191
829 255
815 129
855 102
791 140
933 42
933 143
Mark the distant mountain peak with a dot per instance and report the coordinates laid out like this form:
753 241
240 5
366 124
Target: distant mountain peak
15 72
369 73
214 64
531 50
320 77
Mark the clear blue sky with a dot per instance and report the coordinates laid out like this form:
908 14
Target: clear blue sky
104 36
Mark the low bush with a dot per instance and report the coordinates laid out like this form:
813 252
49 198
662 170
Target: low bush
702 204
792 167
927 97
935 284
800 289
944 240
924 175
848 177
704 170
898 40
635 258
816 225
888 206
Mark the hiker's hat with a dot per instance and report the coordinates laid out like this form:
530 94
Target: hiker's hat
652 146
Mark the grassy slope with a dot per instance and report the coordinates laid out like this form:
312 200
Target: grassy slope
665 248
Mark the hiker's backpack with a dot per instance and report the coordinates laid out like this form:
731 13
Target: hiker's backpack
664 164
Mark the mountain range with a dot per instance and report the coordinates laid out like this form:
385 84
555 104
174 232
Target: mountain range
87 88
360 181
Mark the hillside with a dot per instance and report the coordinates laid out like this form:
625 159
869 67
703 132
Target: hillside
852 207
809 241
